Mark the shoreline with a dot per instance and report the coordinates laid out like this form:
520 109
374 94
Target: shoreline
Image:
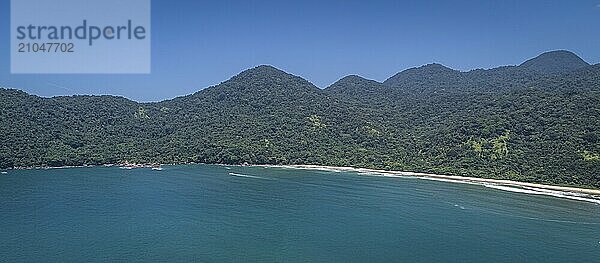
573 193
565 192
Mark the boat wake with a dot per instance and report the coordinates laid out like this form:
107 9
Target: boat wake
459 206
247 176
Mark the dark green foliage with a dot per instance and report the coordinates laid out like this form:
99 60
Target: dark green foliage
508 122
560 61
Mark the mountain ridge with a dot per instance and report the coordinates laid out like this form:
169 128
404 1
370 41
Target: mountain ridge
503 123
427 69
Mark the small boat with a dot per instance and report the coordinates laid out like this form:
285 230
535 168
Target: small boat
157 168
4 172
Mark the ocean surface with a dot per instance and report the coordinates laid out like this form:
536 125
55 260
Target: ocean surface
203 213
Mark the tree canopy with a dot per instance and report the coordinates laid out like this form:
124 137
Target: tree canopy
517 123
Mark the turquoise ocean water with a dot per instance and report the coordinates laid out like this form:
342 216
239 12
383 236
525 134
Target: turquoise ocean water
206 213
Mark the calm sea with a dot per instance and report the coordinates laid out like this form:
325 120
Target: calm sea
208 213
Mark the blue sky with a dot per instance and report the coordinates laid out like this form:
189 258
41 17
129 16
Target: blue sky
196 44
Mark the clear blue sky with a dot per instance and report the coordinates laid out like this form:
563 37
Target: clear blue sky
196 44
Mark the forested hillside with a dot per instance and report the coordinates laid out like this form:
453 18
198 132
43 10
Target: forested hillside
537 122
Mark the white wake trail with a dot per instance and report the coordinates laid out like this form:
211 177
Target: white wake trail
247 176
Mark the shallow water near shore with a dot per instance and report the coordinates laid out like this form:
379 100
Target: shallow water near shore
256 214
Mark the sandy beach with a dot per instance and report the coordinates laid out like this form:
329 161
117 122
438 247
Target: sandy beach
574 193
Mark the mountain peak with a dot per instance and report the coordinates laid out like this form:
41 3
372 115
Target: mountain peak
265 80
558 61
426 72
352 79
262 70
354 85
265 73
435 66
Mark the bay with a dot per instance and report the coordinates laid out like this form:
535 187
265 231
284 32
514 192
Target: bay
207 213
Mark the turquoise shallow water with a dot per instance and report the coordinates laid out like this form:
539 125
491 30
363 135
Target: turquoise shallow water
208 213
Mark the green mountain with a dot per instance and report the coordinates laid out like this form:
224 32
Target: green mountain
560 61
359 88
512 122
425 78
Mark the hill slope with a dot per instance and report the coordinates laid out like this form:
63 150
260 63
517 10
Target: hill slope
505 123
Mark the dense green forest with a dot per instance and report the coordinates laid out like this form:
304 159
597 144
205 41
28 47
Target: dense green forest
536 122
